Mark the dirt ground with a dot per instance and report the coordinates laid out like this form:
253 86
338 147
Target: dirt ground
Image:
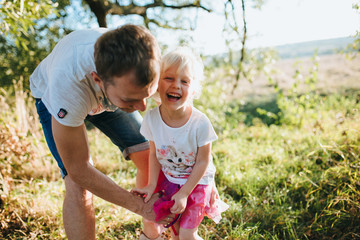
336 73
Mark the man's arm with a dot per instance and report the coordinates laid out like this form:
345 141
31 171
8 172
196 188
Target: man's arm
73 147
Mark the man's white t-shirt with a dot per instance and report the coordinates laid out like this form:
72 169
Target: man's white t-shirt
63 81
176 148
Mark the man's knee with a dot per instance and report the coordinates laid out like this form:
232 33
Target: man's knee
141 160
77 194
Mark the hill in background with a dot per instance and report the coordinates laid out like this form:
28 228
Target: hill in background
307 49
336 71
295 50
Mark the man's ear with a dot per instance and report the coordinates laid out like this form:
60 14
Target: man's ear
97 79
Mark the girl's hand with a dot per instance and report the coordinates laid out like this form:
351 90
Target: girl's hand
146 192
180 203
214 195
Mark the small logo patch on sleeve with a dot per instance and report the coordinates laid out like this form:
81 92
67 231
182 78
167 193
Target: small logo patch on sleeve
62 113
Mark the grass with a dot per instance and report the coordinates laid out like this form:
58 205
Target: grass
296 183
281 181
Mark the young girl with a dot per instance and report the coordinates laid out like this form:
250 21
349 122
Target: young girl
180 148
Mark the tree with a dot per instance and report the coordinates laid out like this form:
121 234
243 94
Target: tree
29 30
160 13
42 24
241 62
18 17
149 11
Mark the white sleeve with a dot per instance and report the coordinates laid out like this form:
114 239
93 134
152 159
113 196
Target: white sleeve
66 102
205 132
145 128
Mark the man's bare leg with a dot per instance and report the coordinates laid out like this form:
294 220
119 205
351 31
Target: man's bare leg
78 212
141 161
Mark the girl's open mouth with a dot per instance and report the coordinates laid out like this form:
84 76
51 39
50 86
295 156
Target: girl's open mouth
173 96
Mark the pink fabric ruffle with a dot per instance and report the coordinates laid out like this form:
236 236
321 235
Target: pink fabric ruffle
198 204
162 208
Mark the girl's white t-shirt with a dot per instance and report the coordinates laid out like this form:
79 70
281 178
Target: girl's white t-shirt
176 148
63 79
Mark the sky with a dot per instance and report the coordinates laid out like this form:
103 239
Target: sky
280 22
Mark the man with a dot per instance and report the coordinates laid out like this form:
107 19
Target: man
103 76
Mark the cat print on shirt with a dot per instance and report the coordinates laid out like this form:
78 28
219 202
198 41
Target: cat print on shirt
175 163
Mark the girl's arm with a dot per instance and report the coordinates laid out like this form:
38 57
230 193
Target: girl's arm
154 169
201 164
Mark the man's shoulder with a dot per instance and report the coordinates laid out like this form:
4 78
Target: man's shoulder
89 31
74 54
83 36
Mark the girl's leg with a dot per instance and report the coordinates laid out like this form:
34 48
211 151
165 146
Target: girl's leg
151 229
175 231
189 234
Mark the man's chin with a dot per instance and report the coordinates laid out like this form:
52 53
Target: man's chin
128 110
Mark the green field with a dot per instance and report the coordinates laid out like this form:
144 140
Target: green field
288 165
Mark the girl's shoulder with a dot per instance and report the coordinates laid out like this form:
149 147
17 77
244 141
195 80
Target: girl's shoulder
151 116
197 114
153 112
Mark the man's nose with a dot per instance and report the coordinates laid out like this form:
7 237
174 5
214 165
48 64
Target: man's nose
141 105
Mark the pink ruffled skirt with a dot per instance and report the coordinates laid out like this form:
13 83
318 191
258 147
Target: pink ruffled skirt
198 204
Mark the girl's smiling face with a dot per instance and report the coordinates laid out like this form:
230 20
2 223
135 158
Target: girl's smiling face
175 87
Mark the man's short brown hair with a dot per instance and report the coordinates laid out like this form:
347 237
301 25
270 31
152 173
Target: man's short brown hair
127 48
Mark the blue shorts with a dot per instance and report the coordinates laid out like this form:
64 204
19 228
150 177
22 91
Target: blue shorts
121 127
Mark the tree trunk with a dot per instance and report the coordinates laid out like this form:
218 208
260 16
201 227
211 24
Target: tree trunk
100 11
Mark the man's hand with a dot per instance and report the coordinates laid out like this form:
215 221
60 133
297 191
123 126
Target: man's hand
146 192
148 213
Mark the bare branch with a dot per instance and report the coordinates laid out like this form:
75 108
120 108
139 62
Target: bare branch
166 26
240 71
103 7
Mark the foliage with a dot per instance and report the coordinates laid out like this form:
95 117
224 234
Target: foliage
43 23
294 183
289 170
242 63
24 45
301 98
17 17
287 106
281 181
212 101
218 101
18 62
17 28
15 151
355 46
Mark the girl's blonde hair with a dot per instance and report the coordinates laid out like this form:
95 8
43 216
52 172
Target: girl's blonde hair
186 57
